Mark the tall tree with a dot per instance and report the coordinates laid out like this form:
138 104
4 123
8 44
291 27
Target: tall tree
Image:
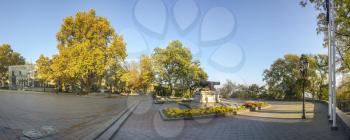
195 74
173 67
171 63
7 58
342 26
87 46
147 74
321 75
131 77
114 78
44 71
282 77
284 81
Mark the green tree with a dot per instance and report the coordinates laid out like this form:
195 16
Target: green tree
254 90
343 90
195 74
342 33
318 79
229 89
174 67
284 81
7 58
342 26
282 77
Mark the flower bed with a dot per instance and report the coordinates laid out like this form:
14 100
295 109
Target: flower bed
197 112
253 106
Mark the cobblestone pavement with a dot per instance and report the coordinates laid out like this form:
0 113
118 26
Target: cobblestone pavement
147 125
73 116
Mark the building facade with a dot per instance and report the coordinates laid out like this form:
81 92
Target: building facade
21 76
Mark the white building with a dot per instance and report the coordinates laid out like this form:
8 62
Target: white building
21 76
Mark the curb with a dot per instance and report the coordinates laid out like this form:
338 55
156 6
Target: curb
165 118
108 129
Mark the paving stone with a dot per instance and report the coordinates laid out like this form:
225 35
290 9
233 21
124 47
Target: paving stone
142 126
71 116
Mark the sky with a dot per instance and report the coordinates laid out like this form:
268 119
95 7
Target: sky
233 39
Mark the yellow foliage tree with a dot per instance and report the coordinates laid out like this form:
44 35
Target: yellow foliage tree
88 46
147 74
131 77
44 72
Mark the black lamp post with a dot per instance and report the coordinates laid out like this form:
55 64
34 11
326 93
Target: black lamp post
304 64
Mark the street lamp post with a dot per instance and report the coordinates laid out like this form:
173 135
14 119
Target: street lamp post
304 64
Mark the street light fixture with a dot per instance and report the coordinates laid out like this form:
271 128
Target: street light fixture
304 64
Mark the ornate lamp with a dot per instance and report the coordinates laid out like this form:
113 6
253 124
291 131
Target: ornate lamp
304 65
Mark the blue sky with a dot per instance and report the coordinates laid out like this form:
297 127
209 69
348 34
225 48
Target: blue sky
233 39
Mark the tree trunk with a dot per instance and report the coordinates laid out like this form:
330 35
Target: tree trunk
44 86
172 91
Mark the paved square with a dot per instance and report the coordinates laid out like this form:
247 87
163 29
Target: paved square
73 116
149 126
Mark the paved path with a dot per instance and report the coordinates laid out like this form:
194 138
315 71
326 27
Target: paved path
73 116
146 124
286 110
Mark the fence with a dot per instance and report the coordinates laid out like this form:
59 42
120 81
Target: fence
344 105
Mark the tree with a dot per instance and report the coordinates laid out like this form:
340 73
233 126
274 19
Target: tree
284 81
44 71
172 63
8 58
147 74
175 68
195 74
114 78
254 91
342 26
343 90
282 77
131 77
319 79
88 46
228 89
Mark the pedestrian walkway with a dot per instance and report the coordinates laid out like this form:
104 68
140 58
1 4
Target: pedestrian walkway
284 110
149 126
72 116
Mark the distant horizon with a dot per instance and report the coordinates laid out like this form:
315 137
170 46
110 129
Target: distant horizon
247 38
